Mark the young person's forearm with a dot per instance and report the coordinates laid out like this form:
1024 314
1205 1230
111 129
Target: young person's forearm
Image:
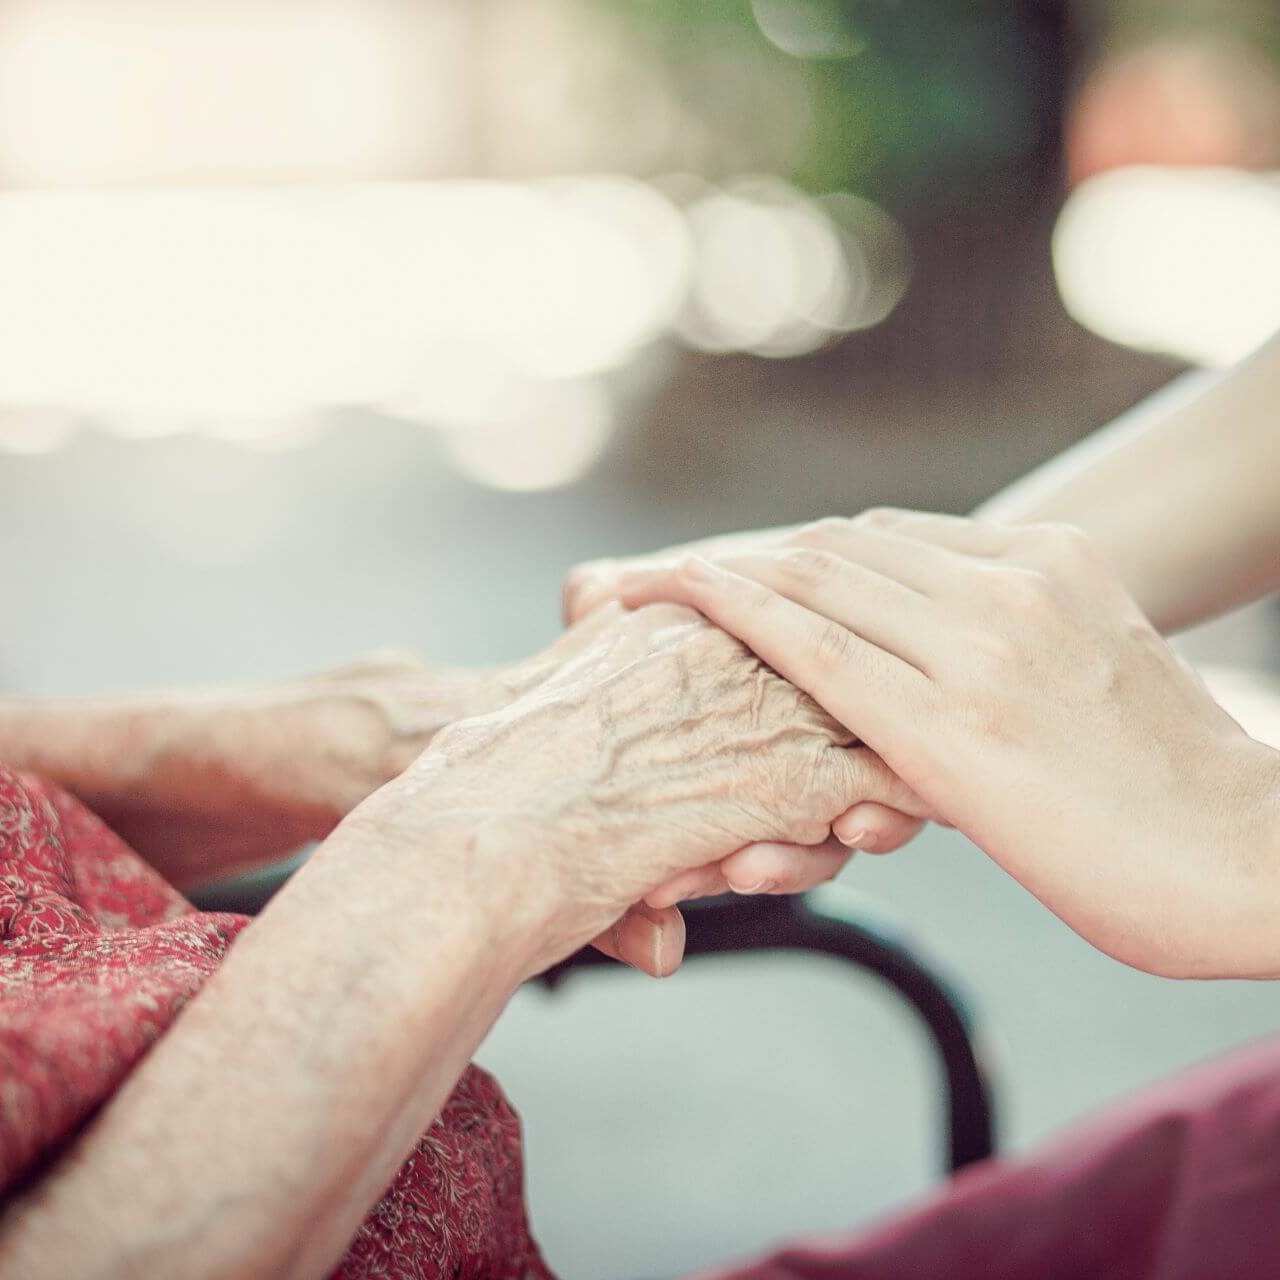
1181 492
261 1129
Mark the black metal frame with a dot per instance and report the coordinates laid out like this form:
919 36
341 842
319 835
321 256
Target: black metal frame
832 920
837 922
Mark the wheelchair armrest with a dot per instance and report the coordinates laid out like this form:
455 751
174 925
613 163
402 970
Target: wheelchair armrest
837 921
832 920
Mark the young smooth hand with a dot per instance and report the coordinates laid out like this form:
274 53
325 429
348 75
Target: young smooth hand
1007 677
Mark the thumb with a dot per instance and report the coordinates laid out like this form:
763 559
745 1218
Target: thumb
647 938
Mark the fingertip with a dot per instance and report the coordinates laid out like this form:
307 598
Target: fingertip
636 587
903 833
874 828
685 582
774 867
752 869
662 897
855 825
583 592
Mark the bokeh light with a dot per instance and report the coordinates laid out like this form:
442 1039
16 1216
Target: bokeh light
1184 262
778 274
170 307
522 434
227 90
809 28
247 314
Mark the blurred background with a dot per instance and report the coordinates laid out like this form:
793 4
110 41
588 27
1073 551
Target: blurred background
333 324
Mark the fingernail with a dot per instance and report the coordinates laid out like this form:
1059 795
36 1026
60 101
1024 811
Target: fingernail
761 886
855 839
637 938
659 969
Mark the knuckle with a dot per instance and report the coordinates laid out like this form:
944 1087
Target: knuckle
819 532
687 575
809 566
881 517
995 652
832 646
760 600
1018 591
810 830
1066 545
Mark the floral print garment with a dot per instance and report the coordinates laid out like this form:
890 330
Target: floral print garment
97 956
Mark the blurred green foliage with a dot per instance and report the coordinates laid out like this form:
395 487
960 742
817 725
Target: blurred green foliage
902 95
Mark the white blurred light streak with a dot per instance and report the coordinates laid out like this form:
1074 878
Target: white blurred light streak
209 90
1177 261
494 311
157 309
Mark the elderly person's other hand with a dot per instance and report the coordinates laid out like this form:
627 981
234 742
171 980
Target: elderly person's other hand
1009 678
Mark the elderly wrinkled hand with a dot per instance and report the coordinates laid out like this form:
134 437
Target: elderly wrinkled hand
656 746
868 827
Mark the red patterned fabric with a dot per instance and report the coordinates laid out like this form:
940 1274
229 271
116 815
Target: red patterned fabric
97 956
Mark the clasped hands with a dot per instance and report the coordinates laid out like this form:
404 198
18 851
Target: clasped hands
846 681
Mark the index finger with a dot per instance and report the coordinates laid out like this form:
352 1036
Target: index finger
596 582
872 692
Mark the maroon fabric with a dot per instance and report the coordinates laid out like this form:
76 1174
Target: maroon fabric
1182 1183
97 956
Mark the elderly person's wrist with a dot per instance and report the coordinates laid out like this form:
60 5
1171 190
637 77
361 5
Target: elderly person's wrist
429 851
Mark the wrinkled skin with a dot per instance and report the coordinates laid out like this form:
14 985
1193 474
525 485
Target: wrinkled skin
220 781
245 776
239 778
869 826
657 744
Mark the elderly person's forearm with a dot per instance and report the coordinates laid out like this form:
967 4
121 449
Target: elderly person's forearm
207 782
258 1133
1179 493
266 1123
